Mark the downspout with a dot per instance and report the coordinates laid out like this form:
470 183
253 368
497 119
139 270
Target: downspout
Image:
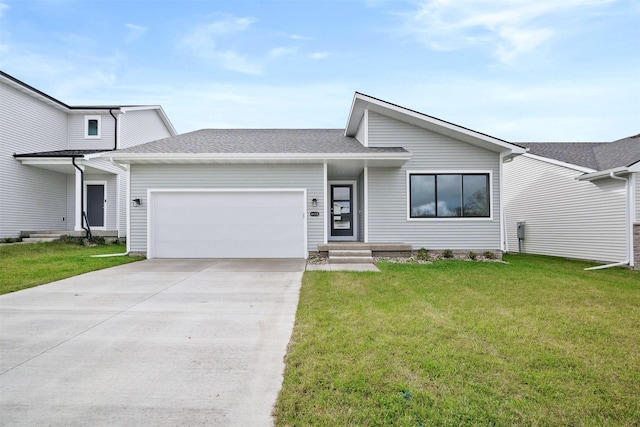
115 130
73 161
627 228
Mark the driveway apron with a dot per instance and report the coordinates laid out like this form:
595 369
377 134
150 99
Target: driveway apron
156 342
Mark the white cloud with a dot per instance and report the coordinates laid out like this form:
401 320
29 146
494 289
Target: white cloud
282 51
135 32
203 42
3 7
508 27
320 55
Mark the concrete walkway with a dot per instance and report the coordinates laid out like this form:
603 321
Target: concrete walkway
153 343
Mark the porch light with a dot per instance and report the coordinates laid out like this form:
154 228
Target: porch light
314 202
136 202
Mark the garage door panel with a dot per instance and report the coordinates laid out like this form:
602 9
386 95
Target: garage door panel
228 224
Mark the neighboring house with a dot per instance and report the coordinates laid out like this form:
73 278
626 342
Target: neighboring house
50 169
577 200
392 175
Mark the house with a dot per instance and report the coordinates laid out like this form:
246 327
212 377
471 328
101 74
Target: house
50 165
392 175
576 200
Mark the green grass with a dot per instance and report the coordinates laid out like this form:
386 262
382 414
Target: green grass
28 265
536 342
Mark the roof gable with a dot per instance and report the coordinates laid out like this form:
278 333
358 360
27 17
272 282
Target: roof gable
362 102
91 109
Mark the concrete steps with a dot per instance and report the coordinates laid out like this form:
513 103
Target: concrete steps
350 256
376 249
41 237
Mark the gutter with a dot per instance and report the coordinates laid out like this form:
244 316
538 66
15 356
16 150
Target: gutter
627 225
86 229
115 130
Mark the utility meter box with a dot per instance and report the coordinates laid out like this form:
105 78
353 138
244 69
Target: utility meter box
520 226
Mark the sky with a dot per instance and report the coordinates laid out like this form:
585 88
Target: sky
537 70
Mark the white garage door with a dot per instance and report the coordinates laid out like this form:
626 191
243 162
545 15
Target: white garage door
227 224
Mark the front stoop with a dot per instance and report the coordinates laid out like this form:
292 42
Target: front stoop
375 249
350 256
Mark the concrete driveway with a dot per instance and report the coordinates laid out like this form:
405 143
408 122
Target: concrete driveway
157 342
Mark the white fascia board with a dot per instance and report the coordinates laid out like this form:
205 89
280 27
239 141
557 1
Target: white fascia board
603 174
559 163
252 157
362 102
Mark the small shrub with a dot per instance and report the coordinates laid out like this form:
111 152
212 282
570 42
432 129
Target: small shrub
473 256
422 254
489 255
447 253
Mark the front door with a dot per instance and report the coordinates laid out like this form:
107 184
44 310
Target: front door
342 210
95 204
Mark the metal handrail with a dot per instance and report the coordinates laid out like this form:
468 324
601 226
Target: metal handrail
88 229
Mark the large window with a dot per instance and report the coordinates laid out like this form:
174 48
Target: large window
449 195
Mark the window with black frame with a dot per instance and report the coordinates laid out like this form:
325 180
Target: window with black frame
449 195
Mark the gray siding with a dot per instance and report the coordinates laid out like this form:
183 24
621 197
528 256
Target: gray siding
140 126
564 217
144 177
77 141
430 152
29 197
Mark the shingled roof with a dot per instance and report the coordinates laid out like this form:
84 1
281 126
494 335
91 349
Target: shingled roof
248 141
593 155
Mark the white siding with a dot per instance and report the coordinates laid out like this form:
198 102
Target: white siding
564 217
140 126
430 151
77 141
215 176
29 197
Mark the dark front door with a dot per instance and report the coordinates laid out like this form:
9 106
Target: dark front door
95 205
342 210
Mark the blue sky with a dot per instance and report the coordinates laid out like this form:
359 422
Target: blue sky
543 70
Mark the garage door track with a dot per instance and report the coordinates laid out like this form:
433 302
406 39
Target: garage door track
157 342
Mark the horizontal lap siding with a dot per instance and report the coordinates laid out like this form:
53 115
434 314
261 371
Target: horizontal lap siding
207 176
430 151
140 126
564 217
29 197
77 141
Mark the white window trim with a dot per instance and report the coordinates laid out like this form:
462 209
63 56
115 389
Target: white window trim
354 208
449 219
86 127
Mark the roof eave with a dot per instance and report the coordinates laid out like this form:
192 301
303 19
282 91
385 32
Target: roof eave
251 157
605 173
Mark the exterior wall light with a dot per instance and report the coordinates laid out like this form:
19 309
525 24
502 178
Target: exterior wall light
136 202
314 202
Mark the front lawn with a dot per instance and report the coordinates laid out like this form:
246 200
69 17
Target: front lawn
537 341
26 265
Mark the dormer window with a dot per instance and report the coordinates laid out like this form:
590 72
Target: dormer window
92 127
